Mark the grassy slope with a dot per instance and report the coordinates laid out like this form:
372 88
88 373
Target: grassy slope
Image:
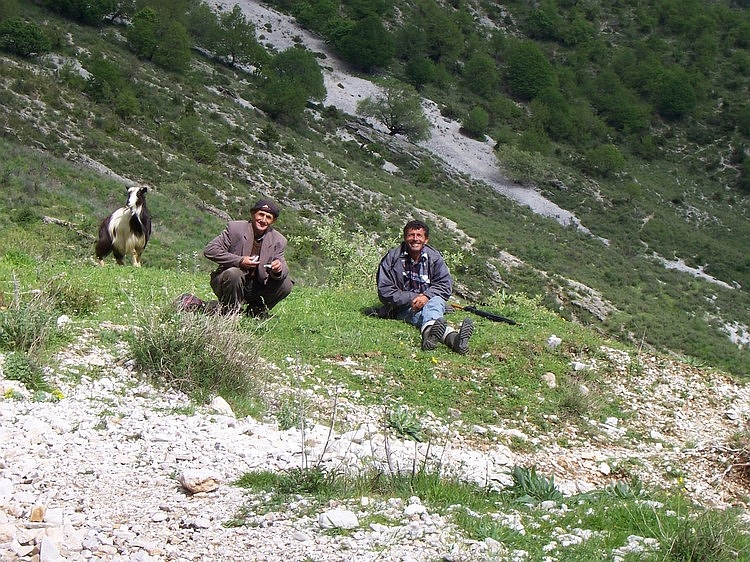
319 341
316 174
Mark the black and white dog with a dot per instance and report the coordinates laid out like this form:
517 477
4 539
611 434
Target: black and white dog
127 230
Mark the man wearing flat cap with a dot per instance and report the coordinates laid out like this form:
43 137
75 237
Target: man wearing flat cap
251 266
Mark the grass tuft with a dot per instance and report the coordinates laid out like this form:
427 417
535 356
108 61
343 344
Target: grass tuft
28 323
200 355
710 536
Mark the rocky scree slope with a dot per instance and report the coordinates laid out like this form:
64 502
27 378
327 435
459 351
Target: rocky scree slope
117 470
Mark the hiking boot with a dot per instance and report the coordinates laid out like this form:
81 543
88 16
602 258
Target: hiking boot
432 335
459 341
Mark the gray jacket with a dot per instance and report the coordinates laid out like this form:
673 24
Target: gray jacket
236 241
391 278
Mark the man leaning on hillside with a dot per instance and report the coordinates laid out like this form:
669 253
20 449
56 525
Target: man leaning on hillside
414 284
251 266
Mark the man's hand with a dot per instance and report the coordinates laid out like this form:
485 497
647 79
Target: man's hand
249 262
418 302
274 267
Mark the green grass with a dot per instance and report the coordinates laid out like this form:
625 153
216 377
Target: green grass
586 527
319 340
319 331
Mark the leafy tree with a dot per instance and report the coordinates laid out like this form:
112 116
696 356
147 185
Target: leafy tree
367 45
170 9
358 9
399 108
236 38
165 41
23 38
90 12
434 33
142 35
481 76
578 31
173 50
290 80
617 105
675 96
545 23
203 25
419 71
411 42
639 68
316 15
476 122
535 140
528 71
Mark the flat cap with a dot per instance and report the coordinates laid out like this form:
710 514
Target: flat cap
268 206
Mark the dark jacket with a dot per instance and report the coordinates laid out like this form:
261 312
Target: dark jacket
236 241
391 278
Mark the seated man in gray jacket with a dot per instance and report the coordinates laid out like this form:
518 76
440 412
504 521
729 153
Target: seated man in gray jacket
251 266
414 284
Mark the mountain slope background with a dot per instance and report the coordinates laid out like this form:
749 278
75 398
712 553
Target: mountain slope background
651 252
650 248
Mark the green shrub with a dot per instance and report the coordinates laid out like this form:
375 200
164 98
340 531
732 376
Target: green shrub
476 123
535 140
19 366
530 487
675 95
522 166
481 76
90 12
367 44
354 257
23 38
291 79
73 298
529 72
143 35
419 71
604 161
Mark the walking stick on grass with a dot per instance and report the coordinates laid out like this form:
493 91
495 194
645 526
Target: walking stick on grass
484 314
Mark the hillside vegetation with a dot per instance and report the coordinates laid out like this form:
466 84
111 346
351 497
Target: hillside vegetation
664 180
614 377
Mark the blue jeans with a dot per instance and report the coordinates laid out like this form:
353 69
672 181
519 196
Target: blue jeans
434 309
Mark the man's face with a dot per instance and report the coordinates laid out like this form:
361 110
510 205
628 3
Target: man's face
261 221
415 240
